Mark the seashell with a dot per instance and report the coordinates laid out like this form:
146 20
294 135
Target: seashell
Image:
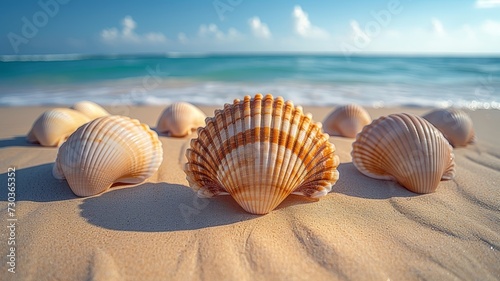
54 126
91 109
346 121
180 119
404 148
108 150
259 151
455 125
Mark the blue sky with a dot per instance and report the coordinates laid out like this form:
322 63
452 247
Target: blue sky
356 26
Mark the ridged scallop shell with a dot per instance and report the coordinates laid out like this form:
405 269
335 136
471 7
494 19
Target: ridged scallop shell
405 148
54 126
455 125
180 119
91 109
346 121
259 151
108 150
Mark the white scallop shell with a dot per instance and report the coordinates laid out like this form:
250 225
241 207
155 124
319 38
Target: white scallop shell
455 125
180 119
54 126
346 121
260 150
91 109
405 148
108 150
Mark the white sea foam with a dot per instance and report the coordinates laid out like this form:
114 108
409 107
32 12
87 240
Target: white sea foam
132 92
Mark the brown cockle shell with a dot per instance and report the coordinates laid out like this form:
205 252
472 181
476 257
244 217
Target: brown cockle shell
346 121
260 150
107 150
54 126
180 119
455 125
91 109
404 148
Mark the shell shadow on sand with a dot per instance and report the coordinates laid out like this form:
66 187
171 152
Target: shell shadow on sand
154 207
352 183
16 141
37 184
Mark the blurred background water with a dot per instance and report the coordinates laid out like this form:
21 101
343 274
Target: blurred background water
380 81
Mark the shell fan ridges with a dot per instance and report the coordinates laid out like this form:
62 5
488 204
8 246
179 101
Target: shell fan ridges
260 150
405 148
346 121
111 149
90 109
455 124
54 126
180 119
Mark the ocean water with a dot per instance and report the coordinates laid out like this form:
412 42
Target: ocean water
379 81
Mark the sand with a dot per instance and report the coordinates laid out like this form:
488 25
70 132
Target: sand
365 229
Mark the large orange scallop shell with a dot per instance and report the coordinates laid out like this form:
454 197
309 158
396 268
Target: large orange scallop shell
54 126
346 121
405 148
455 125
260 150
108 150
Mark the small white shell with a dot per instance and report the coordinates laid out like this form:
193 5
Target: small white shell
108 150
180 119
455 125
260 150
91 109
54 126
405 148
346 121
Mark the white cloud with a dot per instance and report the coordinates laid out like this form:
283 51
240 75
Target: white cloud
129 25
303 26
212 31
492 28
109 34
259 29
467 38
128 34
182 38
232 33
302 23
155 37
486 4
437 27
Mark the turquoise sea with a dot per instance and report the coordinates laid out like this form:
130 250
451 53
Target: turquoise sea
380 81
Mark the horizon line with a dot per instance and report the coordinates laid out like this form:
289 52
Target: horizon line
175 54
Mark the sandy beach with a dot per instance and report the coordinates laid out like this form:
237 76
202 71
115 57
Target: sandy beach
365 229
